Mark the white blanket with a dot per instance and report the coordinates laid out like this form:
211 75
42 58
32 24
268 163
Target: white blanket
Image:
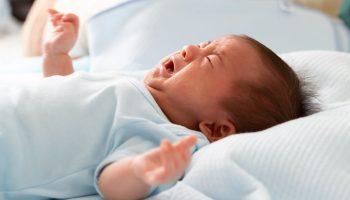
304 159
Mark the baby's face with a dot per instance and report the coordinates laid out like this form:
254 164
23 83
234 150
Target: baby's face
196 78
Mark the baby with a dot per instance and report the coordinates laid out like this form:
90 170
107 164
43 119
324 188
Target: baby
113 124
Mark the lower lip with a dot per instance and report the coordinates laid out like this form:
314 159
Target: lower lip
164 72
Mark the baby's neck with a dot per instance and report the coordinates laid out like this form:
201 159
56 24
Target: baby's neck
171 111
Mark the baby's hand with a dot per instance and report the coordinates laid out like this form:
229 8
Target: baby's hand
165 163
64 35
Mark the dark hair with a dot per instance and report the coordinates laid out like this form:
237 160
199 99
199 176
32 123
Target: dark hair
277 99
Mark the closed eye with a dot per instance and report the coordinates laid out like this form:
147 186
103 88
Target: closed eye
209 61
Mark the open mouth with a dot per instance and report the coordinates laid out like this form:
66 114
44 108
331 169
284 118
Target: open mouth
169 66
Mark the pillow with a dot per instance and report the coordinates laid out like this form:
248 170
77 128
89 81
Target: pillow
328 71
306 159
142 32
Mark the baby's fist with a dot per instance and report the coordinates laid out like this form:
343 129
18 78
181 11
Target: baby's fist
64 34
165 163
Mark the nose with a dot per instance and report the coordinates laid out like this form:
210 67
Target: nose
190 52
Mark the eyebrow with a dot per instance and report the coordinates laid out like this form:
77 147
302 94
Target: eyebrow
208 43
216 52
219 57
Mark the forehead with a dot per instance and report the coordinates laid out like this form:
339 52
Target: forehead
230 46
238 56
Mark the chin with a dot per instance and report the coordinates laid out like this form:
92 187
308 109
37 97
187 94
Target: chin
151 74
153 79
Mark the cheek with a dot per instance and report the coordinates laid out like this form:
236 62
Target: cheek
190 81
193 74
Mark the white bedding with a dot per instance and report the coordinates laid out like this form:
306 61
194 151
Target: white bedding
306 159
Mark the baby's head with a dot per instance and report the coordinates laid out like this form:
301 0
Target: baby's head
233 84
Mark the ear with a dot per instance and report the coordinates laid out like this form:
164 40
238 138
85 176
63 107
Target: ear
217 129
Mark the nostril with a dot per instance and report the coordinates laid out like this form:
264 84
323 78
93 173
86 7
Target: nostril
183 53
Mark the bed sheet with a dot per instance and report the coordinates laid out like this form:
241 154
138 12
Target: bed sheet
179 191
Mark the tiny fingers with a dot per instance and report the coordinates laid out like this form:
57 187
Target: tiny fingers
177 157
59 29
163 157
55 18
156 177
174 158
72 18
161 174
52 11
167 155
184 147
186 143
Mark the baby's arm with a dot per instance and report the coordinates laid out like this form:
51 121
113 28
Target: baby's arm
133 177
59 43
